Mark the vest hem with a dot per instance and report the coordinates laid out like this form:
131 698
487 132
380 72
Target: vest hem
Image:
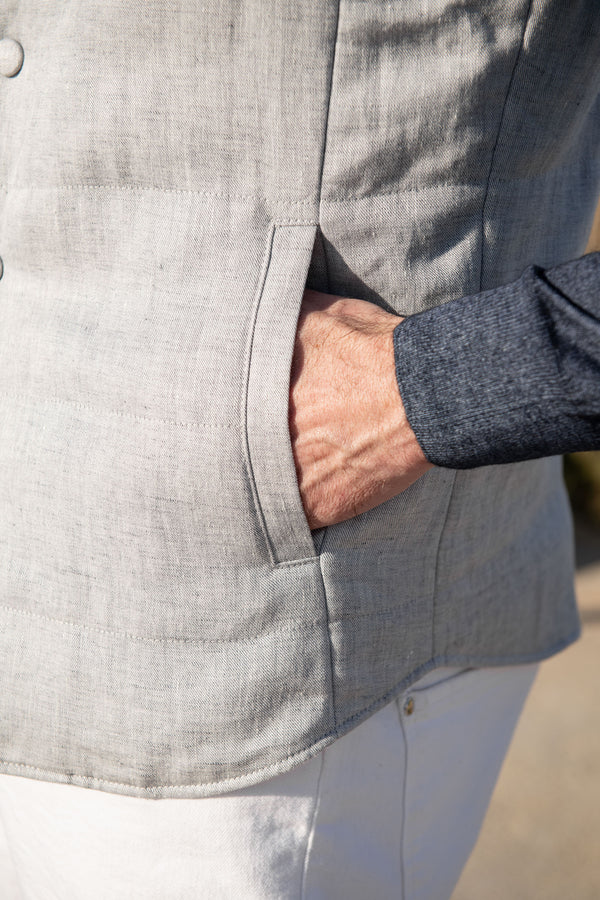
238 782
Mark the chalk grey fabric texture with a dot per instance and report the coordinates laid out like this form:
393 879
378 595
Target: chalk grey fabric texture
365 818
173 175
510 374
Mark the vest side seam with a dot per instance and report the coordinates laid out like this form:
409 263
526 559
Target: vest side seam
437 563
497 141
319 236
329 94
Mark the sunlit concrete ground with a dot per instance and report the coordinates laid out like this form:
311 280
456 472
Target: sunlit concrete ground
541 838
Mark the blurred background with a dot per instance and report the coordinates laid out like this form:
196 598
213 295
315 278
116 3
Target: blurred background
541 837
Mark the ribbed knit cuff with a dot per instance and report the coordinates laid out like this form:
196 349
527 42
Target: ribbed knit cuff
509 374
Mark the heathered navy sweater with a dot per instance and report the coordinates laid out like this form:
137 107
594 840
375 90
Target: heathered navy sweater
509 374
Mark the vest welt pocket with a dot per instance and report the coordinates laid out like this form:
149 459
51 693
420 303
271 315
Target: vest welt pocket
269 450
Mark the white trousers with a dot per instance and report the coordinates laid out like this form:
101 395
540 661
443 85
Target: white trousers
391 810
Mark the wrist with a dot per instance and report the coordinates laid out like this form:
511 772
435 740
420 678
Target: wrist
403 450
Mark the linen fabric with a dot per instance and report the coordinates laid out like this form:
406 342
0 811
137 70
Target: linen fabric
174 175
391 810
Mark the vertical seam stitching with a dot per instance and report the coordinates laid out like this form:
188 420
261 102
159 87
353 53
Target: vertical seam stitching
497 141
327 111
332 692
311 831
248 358
437 563
325 137
403 812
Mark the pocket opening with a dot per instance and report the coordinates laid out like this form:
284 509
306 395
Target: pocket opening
271 466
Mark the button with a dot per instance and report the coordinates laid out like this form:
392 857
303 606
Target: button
11 57
409 706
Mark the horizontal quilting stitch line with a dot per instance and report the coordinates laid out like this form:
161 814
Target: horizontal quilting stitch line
153 188
305 222
333 619
141 188
475 183
415 189
165 639
89 407
294 626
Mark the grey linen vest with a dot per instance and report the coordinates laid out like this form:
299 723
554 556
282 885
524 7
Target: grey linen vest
173 173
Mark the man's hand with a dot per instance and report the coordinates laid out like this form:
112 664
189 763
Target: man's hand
353 446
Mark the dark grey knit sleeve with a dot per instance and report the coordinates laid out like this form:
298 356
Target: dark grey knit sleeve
508 374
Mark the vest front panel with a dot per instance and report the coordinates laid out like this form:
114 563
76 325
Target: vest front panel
173 175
